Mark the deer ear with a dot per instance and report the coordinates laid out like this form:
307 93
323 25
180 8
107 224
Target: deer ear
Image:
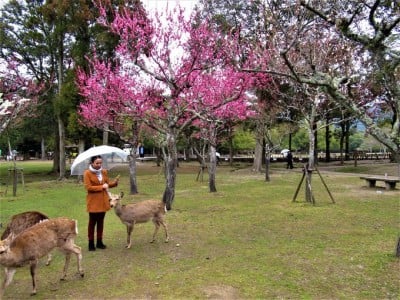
5 244
121 194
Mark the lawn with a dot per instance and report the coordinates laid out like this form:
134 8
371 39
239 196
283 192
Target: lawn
247 241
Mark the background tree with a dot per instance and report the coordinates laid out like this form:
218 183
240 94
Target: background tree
19 96
369 32
166 89
52 38
226 86
246 20
36 33
23 42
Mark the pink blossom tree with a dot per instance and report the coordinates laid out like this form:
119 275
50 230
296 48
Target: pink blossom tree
230 87
164 71
18 96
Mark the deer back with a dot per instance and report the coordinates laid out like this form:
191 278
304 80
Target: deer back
22 221
141 211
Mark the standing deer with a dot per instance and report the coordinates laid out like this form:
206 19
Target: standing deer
36 242
140 212
22 221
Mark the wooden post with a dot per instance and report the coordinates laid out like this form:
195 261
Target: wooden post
309 195
326 187
298 187
15 178
13 175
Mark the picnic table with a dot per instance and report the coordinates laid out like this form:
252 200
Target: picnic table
390 181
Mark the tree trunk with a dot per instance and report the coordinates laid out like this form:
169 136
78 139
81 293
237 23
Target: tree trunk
258 155
341 143
347 139
315 143
230 146
311 155
132 162
267 162
42 149
159 156
310 166
258 151
212 168
327 142
62 162
81 146
132 175
105 135
170 160
200 158
61 126
56 154
14 169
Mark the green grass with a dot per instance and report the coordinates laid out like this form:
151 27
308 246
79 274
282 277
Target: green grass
247 241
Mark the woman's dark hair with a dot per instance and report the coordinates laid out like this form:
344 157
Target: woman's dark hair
93 158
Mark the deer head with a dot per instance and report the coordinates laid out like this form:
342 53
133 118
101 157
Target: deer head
114 199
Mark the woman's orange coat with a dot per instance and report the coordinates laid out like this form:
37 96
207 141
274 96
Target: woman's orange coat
97 199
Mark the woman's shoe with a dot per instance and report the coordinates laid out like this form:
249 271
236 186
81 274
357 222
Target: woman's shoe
91 246
100 245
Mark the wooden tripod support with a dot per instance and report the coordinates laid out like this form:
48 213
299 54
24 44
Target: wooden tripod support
305 172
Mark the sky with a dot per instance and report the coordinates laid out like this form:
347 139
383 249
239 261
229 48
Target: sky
151 4
162 4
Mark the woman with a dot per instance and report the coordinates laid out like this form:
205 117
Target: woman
97 201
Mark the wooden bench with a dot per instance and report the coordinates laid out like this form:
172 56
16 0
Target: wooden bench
390 182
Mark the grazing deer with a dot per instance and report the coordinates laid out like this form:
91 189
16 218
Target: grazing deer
36 242
23 221
140 212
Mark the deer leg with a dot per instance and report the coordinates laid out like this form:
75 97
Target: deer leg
66 264
166 230
69 248
33 275
9 274
156 227
129 229
78 252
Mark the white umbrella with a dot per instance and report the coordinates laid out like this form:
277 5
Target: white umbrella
108 154
284 151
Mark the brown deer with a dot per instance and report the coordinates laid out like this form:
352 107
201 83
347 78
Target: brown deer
22 221
36 242
140 212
